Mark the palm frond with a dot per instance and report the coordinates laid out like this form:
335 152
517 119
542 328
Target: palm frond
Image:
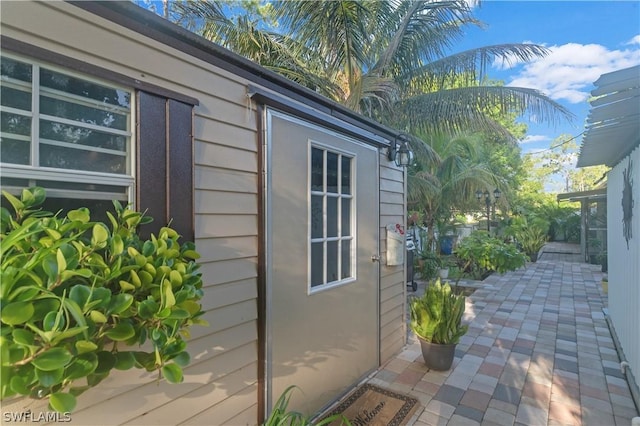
470 66
461 109
336 29
422 31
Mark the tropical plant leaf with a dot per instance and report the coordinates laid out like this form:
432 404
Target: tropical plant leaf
62 402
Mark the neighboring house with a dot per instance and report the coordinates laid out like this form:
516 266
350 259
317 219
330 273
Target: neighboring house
286 193
613 139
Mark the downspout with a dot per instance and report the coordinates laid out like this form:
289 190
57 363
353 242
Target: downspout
625 369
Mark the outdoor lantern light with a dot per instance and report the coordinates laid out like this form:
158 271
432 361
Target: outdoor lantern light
401 155
487 200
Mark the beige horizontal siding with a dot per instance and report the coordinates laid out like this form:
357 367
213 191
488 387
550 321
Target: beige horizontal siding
230 270
225 157
229 293
223 412
212 202
247 417
199 400
226 225
223 133
209 178
392 279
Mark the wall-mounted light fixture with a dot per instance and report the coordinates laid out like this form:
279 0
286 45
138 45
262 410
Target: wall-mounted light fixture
399 151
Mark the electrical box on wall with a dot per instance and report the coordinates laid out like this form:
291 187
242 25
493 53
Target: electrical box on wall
395 244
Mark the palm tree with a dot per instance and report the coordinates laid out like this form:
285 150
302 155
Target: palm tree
386 59
447 181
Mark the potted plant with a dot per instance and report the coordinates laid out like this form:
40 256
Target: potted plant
443 270
436 319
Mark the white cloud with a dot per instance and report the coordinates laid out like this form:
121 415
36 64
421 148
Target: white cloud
569 70
635 40
534 138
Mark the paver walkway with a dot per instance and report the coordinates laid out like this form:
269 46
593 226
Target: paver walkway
538 352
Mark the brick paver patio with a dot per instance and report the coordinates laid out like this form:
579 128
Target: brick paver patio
538 352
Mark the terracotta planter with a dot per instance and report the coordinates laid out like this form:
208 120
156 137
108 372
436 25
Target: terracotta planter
437 356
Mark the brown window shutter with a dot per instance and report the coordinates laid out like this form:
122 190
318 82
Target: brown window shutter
164 175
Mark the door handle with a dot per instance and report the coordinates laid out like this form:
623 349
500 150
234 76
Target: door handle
375 258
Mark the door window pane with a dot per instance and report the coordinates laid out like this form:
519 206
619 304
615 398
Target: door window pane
316 169
346 175
332 172
332 261
346 258
317 227
346 217
331 217
317 264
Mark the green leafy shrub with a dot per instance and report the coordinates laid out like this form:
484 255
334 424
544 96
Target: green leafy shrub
436 316
479 253
77 295
531 236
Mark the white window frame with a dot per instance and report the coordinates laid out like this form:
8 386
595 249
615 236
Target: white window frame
352 220
33 172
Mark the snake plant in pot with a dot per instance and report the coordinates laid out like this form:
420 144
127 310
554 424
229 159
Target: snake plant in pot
436 318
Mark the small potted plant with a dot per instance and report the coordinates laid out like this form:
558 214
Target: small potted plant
443 270
436 319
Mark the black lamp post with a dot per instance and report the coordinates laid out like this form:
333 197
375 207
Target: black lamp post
488 202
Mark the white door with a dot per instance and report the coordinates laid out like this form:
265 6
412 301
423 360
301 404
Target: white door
322 286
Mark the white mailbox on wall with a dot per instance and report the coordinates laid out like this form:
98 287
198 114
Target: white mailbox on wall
395 244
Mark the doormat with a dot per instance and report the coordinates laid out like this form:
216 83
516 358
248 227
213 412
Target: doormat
371 405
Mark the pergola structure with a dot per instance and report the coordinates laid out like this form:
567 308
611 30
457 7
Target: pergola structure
612 125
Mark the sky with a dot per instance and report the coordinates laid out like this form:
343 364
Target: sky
585 38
